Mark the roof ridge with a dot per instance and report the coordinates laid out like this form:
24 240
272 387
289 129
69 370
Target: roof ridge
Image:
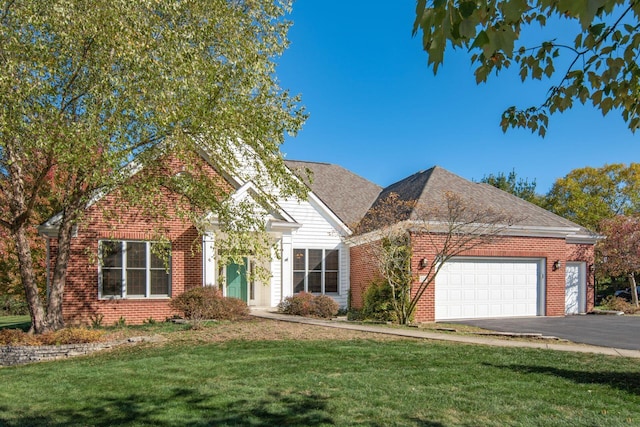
308 161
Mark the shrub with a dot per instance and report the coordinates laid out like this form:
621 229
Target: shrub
208 303
306 304
325 307
17 337
300 304
354 314
71 336
10 305
619 304
378 303
63 336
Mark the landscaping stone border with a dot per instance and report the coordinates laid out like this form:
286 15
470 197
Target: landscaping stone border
22 354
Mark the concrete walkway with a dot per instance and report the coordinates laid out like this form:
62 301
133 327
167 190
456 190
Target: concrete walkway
423 334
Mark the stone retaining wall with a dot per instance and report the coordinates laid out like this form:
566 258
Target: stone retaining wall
18 355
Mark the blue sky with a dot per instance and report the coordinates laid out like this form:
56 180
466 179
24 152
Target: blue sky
377 109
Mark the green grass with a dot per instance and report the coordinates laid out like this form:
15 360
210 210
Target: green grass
15 322
317 383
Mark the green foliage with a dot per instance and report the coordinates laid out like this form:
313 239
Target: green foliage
602 56
11 305
510 183
307 304
396 270
96 320
588 195
378 302
355 314
120 323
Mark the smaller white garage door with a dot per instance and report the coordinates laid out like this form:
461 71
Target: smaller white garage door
477 288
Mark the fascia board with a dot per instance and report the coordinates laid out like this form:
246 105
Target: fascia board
584 239
568 233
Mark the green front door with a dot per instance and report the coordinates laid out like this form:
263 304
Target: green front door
237 281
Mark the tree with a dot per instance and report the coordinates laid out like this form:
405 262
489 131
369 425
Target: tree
93 91
589 195
450 229
619 252
598 66
519 187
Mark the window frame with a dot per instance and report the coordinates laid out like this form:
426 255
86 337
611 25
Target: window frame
323 270
148 269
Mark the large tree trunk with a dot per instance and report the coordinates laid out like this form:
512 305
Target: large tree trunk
36 310
55 318
20 210
634 292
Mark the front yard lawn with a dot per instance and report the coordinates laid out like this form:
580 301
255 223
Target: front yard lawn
15 322
269 379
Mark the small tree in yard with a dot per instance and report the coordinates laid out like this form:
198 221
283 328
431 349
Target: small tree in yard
619 252
450 229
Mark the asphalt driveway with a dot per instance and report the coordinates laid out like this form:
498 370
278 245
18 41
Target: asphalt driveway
601 330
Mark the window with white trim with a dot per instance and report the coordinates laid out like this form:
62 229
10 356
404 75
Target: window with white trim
134 269
316 270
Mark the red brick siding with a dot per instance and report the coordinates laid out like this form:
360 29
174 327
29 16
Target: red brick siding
362 272
81 302
551 249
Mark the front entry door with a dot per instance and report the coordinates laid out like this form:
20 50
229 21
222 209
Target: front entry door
237 281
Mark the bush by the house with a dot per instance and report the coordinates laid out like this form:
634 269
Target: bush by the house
619 304
209 303
378 303
306 304
325 306
63 336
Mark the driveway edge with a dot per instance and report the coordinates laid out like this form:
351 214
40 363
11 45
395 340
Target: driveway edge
576 348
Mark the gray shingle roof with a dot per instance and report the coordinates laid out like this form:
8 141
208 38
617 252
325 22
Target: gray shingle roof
348 195
428 188
352 197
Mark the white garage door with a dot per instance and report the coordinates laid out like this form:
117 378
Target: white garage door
467 289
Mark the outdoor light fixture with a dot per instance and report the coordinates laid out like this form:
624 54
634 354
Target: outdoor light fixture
556 265
592 268
424 263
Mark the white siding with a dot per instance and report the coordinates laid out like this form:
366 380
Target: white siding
318 231
276 279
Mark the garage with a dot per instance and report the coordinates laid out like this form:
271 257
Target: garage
488 287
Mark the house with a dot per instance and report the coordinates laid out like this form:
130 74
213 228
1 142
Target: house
114 272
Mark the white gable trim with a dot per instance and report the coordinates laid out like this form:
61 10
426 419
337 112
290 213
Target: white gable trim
324 209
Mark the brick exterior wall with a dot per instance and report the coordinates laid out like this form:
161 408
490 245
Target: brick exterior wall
81 302
551 249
